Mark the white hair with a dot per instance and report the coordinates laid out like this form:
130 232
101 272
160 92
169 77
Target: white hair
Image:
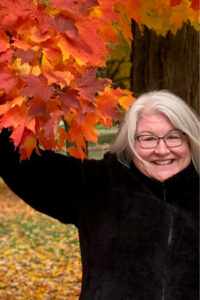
173 107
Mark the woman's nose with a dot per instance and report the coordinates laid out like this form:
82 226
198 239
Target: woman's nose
162 148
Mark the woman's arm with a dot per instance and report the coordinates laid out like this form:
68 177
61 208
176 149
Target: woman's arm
51 183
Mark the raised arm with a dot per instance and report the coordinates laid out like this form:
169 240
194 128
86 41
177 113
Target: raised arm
51 183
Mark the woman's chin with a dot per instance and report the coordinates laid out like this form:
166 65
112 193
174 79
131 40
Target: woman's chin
162 172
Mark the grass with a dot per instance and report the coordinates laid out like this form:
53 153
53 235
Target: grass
105 137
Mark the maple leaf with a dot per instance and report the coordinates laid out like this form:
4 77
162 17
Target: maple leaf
4 41
129 9
6 56
62 78
51 57
7 21
37 86
25 55
175 2
8 79
37 107
88 127
108 104
109 33
195 4
10 104
90 34
77 48
63 136
27 145
80 150
87 106
106 11
21 44
126 101
17 118
89 84
69 99
77 8
37 35
52 124
64 24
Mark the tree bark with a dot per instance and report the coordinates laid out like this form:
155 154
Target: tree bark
170 62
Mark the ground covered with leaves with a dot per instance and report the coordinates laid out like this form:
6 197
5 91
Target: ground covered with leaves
39 256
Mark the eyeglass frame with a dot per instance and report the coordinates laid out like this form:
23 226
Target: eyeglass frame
161 138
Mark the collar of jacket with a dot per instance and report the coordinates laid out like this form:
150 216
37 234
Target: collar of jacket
180 189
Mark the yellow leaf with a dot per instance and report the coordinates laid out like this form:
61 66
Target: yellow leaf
126 101
22 69
36 71
63 47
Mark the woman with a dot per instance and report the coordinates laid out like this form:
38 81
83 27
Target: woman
136 209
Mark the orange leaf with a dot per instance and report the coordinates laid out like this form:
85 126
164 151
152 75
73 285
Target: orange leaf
126 100
63 136
27 146
60 77
4 41
88 127
76 152
9 104
17 118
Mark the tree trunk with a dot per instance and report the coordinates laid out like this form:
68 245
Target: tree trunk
170 62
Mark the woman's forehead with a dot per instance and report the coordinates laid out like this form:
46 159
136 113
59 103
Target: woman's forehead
153 122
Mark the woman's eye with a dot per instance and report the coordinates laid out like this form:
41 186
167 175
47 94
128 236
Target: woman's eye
149 139
173 137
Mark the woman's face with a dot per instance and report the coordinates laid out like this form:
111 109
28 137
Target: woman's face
164 161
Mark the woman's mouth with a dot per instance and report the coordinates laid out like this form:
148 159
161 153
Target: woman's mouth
163 162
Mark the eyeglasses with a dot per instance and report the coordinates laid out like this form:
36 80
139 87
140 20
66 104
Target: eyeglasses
172 140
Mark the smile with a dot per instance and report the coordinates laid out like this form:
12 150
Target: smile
163 162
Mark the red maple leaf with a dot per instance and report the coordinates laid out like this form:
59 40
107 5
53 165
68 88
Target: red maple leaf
52 124
22 8
175 2
37 107
6 56
69 99
78 8
89 84
64 24
26 56
4 41
37 86
8 80
195 4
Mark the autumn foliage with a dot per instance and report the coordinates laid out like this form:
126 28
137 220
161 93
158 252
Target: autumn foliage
50 52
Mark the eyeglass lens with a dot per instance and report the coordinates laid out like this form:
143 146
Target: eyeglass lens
171 140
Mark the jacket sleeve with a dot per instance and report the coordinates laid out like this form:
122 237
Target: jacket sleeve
51 183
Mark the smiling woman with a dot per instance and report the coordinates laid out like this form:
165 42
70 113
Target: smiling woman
165 156
165 121
136 209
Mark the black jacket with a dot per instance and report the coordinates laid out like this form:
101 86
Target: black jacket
138 236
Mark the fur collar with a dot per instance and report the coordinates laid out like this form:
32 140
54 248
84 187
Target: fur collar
178 189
